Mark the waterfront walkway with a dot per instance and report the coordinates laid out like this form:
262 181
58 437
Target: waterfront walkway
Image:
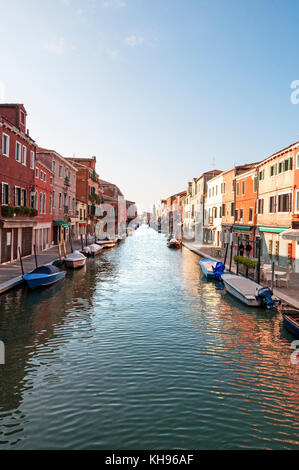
11 273
288 294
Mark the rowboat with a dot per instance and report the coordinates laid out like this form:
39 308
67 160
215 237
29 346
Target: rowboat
106 243
212 268
92 250
174 243
249 292
75 260
43 276
290 319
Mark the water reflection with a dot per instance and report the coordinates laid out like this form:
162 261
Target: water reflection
139 351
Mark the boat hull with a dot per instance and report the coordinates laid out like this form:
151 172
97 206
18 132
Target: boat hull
208 273
35 282
291 325
249 302
106 244
75 264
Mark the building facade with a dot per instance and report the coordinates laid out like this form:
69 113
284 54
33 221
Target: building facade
64 193
213 228
17 163
43 203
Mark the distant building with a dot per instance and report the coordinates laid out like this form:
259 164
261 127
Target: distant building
43 203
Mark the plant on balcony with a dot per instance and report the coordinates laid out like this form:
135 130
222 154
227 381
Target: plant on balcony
66 181
94 198
9 211
249 263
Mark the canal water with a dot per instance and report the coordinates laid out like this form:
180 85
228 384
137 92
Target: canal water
138 351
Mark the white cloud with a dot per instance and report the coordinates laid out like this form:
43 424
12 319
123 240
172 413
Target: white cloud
114 4
2 91
134 40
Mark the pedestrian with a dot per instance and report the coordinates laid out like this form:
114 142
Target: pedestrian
248 249
241 249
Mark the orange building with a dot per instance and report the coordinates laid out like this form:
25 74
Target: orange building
246 188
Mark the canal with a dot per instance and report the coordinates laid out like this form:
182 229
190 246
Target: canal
138 351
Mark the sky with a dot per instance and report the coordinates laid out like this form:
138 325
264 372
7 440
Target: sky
158 90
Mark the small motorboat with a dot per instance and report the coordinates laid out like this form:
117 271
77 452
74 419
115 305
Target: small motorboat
75 260
174 243
43 276
212 268
95 249
290 319
248 291
106 243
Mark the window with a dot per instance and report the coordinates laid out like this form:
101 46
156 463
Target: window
5 145
223 210
41 203
238 189
36 200
54 166
284 203
260 206
297 201
5 194
69 202
60 171
273 170
45 177
286 165
60 200
272 204
18 152
232 208
51 180
280 167
250 217
44 204
50 204
255 184
241 215
243 187
32 160
17 196
24 155
41 175
22 117
36 172
261 175
236 215
297 161
24 197
53 199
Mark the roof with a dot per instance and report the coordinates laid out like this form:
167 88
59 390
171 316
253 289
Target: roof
49 151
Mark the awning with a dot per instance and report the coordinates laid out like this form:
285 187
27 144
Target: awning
242 227
273 229
82 224
61 223
291 235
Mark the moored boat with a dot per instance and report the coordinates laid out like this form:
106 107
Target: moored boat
174 243
43 276
212 268
75 260
290 319
106 243
248 291
95 249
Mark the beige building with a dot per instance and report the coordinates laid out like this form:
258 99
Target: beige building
274 204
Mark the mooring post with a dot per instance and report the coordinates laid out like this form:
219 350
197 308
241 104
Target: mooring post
34 248
21 261
272 277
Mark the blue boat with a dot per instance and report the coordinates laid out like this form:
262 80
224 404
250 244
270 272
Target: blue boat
212 268
290 319
43 276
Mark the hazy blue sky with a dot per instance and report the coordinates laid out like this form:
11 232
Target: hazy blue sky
158 90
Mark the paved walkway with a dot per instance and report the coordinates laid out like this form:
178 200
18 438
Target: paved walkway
11 273
288 294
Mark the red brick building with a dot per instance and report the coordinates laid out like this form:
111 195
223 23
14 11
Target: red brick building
64 193
17 162
113 196
44 184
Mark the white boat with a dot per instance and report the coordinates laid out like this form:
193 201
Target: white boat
106 243
95 249
75 260
247 291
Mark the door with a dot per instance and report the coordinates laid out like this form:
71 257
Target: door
26 241
6 235
15 243
297 258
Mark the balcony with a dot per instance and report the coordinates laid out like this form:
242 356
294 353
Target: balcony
18 211
65 209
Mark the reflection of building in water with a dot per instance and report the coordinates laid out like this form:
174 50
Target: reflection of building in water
31 319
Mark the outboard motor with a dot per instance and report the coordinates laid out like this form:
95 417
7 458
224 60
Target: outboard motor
265 294
218 270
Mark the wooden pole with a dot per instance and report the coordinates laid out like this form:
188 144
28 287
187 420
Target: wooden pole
21 261
59 250
34 248
272 278
82 241
71 242
231 256
64 249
